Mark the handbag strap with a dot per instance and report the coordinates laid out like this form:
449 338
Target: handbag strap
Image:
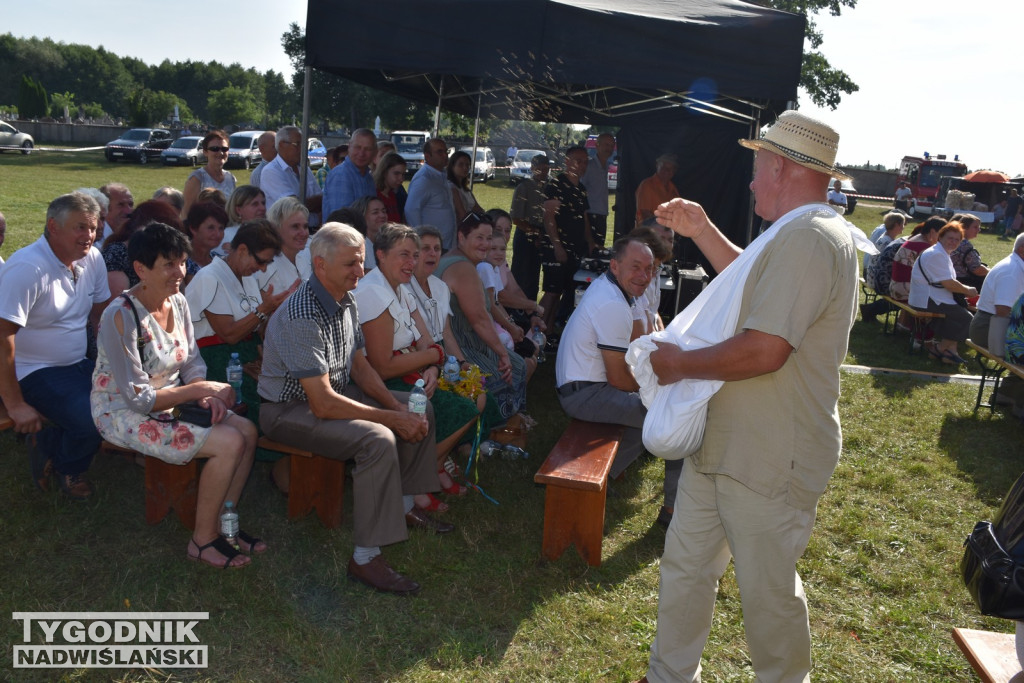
138 323
917 264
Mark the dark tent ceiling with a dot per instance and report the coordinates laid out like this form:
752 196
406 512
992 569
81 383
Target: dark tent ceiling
570 61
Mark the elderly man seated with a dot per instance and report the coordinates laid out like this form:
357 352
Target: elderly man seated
48 292
594 382
1002 288
320 393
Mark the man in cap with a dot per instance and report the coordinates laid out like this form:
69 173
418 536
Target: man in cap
772 436
657 189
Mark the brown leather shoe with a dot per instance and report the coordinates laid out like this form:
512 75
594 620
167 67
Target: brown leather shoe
378 575
419 519
75 486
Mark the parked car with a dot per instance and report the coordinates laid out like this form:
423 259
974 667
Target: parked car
139 144
185 151
12 137
317 153
613 173
520 170
409 144
244 149
483 168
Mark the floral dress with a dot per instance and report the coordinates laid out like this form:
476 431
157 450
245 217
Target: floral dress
130 370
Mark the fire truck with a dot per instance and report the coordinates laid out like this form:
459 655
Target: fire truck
922 175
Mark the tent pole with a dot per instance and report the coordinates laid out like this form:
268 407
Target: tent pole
437 110
755 129
476 134
307 91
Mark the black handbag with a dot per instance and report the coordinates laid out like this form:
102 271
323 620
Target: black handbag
190 412
993 562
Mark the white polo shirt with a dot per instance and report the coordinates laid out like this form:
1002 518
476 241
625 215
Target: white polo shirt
1003 285
935 262
602 321
51 303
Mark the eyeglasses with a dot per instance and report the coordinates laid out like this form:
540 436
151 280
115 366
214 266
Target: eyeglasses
216 149
289 142
261 262
248 303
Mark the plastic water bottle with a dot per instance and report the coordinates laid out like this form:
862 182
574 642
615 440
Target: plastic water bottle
229 523
418 400
513 452
490 449
538 338
451 370
234 375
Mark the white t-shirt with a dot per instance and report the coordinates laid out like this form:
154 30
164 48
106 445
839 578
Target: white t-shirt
225 246
282 273
434 309
51 303
1003 285
490 277
836 198
216 289
602 321
935 262
374 295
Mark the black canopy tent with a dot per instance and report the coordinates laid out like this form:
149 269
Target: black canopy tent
646 66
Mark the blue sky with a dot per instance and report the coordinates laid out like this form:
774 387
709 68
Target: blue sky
935 76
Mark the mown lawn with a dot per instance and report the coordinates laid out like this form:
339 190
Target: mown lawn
917 470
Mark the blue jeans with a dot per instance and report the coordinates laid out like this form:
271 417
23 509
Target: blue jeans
61 395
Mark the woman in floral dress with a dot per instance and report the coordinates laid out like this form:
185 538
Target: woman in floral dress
147 366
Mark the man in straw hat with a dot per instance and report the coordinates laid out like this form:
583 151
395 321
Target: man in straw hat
772 436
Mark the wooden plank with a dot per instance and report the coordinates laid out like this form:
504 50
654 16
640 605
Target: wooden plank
910 310
993 655
582 457
1015 369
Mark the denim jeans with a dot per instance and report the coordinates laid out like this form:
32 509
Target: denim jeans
61 395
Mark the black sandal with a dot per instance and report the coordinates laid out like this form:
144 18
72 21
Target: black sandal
221 546
250 541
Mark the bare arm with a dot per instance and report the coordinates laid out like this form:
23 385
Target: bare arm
551 227
465 285
190 192
117 281
26 419
380 338
460 210
689 220
749 354
958 287
617 371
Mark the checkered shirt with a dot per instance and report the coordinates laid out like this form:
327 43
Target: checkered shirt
310 335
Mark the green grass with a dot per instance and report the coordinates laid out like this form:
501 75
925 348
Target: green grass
917 470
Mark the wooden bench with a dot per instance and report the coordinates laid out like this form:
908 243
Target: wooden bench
168 487
316 483
869 294
576 476
5 420
992 368
920 320
993 655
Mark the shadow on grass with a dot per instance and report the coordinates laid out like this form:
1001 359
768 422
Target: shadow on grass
986 448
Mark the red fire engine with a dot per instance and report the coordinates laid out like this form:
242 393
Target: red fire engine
922 175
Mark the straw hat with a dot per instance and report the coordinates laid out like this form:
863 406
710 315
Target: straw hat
802 140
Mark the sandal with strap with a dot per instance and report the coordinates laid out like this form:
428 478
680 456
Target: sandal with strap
250 543
456 489
221 546
436 504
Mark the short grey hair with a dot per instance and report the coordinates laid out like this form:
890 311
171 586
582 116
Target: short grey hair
283 208
362 132
391 234
331 236
101 199
892 218
173 195
429 231
62 207
284 134
1018 244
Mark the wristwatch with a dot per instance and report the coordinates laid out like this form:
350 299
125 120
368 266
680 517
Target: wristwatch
260 315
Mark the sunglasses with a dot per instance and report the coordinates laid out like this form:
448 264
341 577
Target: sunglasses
475 218
216 149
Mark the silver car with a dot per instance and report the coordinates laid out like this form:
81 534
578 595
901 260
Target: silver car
520 170
11 137
185 151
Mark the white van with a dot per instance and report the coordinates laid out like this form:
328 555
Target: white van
243 149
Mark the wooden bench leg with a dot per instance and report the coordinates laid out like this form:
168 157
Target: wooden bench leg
574 516
171 487
317 483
